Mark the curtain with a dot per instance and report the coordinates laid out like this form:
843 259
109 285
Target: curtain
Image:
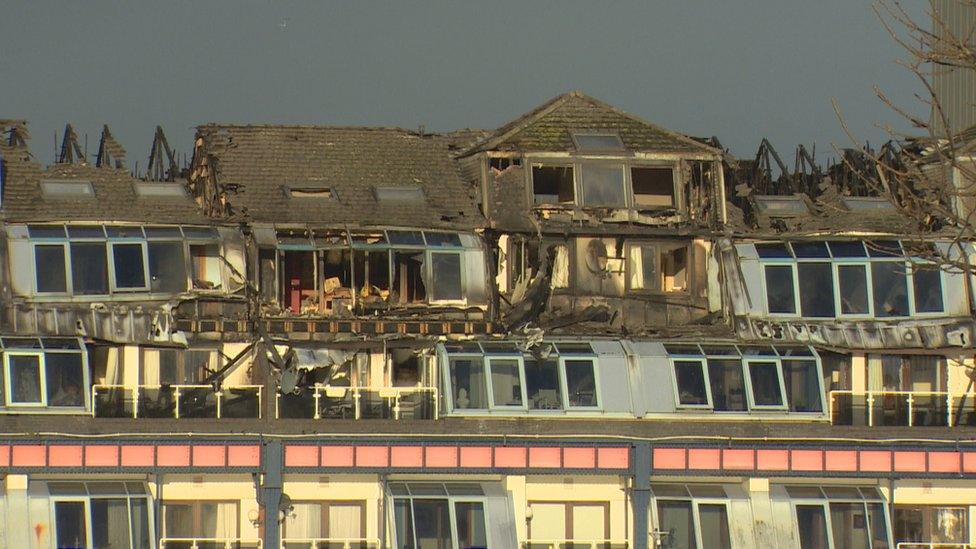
304 521
636 267
875 374
226 523
345 521
560 268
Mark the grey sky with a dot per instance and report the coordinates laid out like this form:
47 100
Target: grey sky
740 70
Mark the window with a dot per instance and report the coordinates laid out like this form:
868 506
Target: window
205 266
167 267
542 383
781 206
49 268
765 384
927 285
691 517
101 514
405 193
890 288
691 384
176 366
816 283
853 289
553 185
320 193
450 516
568 520
653 187
89 268
159 189
832 517
506 382
468 383
597 142
727 385
780 298
802 384
129 268
336 520
446 276
659 267
53 378
200 519
867 204
928 524
581 383
66 189
603 185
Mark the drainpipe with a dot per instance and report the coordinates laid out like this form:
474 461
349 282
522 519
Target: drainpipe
272 461
642 494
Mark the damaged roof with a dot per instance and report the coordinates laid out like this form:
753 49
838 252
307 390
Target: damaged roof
549 127
258 165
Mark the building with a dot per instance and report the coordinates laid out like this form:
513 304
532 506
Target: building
578 329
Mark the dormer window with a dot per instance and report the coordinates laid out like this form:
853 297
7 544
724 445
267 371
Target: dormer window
597 142
653 187
553 185
780 206
404 193
61 189
310 191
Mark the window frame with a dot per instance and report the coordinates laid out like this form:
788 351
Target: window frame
703 364
864 264
626 186
489 358
695 502
66 253
41 353
197 510
824 503
577 159
791 263
747 362
452 501
112 282
660 246
41 372
677 199
429 268
53 499
564 381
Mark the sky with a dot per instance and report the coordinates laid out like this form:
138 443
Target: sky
740 70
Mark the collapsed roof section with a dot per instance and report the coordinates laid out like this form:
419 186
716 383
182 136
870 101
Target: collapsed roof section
339 175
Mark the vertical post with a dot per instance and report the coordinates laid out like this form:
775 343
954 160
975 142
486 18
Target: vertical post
272 461
642 494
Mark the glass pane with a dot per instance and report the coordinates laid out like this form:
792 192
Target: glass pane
45 231
542 384
802 385
597 142
811 524
816 289
779 289
849 525
883 248
581 383
49 268
70 525
406 238
346 521
446 276
65 379
928 289
690 377
167 267
110 522
468 383
810 249
506 384
443 239
853 282
471 525
432 521
140 523
403 523
304 521
773 250
178 520
25 379
129 269
765 384
89 268
727 384
879 526
714 522
847 249
676 520
205 266
603 185
890 288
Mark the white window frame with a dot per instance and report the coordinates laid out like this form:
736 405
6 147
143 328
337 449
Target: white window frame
911 266
825 505
113 285
491 388
41 371
791 263
449 395
88 514
696 516
564 381
703 364
68 287
750 395
452 501
429 268
866 266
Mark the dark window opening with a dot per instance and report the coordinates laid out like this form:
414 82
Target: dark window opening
690 376
49 268
408 280
167 267
336 278
779 289
445 276
653 187
298 287
372 268
727 385
407 370
130 272
816 289
890 289
553 185
542 384
89 268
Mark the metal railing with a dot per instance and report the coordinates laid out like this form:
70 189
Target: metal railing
933 545
177 401
574 544
326 401
902 408
329 543
209 543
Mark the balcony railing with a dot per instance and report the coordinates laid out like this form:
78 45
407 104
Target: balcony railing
209 543
326 401
574 544
933 545
902 408
329 543
176 401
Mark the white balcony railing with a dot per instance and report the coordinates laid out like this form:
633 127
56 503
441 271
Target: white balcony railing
905 408
574 543
209 543
175 401
365 402
329 543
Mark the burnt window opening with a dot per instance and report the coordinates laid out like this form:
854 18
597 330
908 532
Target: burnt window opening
659 267
502 164
653 187
553 185
408 278
524 263
205 266
177 366
372 268
298 280
337 278
321 193
406 368
603 185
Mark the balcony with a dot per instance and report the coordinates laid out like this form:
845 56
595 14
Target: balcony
902 408
326 401
176 401
933 545
575 544
209 543
329 543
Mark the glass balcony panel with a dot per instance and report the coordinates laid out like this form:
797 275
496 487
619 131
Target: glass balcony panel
297 406
157 402
241 402
198 402
113 402
337 407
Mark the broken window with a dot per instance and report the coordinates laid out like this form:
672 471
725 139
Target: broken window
336 277
372 274
468 383
691 383
408 278
445 276
298 279
765 383
603 185
816 283
129 269
780 298
653 187
205 266
559 278
553 185
542 384
89 268
727 385
49 268
167 267
659 267
524 259
321 193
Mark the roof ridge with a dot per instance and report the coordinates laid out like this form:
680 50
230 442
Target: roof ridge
219 125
